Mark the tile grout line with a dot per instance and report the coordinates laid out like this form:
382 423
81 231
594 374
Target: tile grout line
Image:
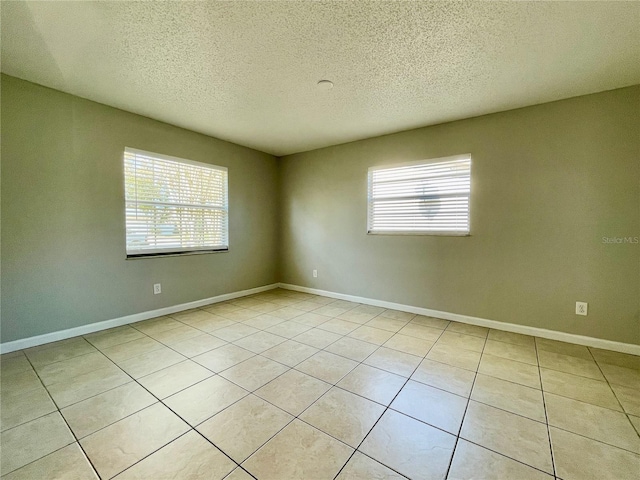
466 408
77 441
387 407
546 415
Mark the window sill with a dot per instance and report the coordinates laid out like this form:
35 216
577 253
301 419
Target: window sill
422 234
141 256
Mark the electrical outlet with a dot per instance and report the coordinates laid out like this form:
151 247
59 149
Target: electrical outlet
315 273
581 308
157 288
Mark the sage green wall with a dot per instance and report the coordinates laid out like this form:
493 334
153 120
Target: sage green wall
548 183
63 232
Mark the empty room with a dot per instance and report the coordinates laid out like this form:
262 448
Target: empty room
320 240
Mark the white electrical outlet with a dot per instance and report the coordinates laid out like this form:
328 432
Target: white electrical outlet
157 288
315 273
581 308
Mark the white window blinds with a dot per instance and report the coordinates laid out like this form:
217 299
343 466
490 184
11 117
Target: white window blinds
427 197
174 205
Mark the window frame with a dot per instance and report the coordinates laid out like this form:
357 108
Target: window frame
177 251
370 170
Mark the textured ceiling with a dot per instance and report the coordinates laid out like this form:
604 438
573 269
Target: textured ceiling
247 71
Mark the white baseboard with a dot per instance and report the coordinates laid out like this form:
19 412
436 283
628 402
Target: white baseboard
482 322
116 322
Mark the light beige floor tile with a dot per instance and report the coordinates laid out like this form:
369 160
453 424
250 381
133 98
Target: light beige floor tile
371 335
156 325
193 317
176 335
627 377
356 316
15 364
87 385
580 458
509 337
635 421
290 353
563 348
317 338
369 309
19 382
597 423
460 340
383 323
457 357
343 415
198 345
412 345
361 467
172 379
246 302
188 457
68 463
41 357
579 388
419 331
97 412
629 398
113 336
235 332
307 306
254 372
150 362
569 364
288 329
218 308
67 370
432 322
203 400
397 314
33 440
124 351
373 383
259 342
312 319
509 396
265 307
351 348
512 435
331 311
625 360
445 377
224 357
18 409
473 462
287 313
431 405
293 391
338 326
519 353
327 366
468 329
120 445
239 474
410 447
240 315
244 427
299 451
394 361
264 321
510 370
212 323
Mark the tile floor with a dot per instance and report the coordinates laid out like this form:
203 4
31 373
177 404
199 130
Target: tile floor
286 385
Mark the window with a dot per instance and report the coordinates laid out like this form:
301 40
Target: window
174 205
428 197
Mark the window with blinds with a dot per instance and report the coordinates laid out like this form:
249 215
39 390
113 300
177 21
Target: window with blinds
428 197
174 205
